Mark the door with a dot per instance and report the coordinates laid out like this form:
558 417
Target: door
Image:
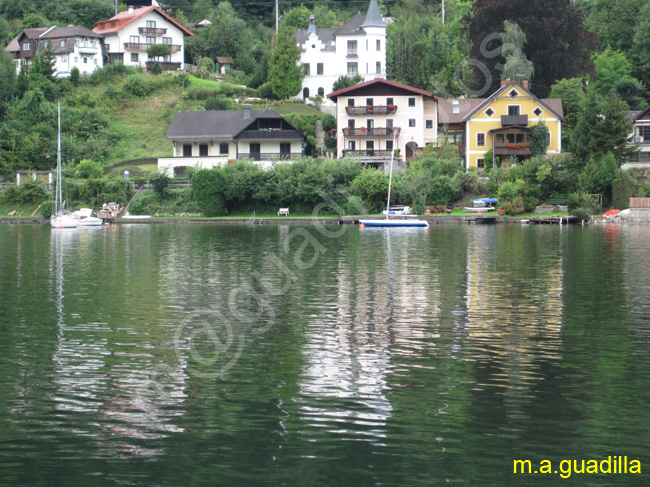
285 150
255 151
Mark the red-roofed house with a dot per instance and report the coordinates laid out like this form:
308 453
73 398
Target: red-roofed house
379 116
129 34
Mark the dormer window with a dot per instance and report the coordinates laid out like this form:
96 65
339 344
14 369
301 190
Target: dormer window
455 107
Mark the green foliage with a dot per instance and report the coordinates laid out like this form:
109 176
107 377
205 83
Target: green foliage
597 176
328 122
641 41
160 183
159 50
346 81
624 187
88 169
371 186
137 85
75 76
22 82
95 192
156 68
219 103
610 67
514 206
511 190
265 91
516 67
27 192
208 187
284 74
580 199
538 139
47 206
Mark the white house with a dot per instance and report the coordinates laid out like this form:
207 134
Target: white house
356 47
129 34
216 138
73 46
378 117
641 137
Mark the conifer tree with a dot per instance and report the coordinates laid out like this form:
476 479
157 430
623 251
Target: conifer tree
284 73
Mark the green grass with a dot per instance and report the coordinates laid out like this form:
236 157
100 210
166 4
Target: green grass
298 108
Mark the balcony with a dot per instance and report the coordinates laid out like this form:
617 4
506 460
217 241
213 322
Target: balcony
365 132
270 134
641 140
507 120
369 155
370 110
269 156
511 149
143 46
152 30
352 53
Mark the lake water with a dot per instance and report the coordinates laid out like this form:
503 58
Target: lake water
186 355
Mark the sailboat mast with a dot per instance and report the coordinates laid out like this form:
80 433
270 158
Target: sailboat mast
58 190
390 177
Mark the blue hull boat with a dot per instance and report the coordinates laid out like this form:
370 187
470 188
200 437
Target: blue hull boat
394 223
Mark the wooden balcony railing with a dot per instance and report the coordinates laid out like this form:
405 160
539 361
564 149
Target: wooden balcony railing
511 149
365 132
378 110
270 134
152 30
143 46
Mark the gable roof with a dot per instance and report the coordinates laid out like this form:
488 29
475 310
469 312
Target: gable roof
446 113
215 124
225 60
378 82
554 105
352 26
32 33
69 31
640 115
127 17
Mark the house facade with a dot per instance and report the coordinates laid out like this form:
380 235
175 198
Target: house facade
640 138
129 34
356 47
215 138
24 46
378 117
500 123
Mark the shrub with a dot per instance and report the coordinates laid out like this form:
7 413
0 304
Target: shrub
156 68
160 183
207 188
88 169
138 85
219 103
510 190
514 206
581 205
265 91
371 186
624 187
46 208
28 192
74 76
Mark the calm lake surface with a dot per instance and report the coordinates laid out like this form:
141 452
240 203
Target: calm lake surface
187 355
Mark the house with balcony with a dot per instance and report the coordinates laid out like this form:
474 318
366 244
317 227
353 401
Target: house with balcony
640 138
129 34
500 122
215 138
379 118
356 47
72 46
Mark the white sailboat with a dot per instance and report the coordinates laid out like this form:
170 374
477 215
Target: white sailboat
392 222
60 218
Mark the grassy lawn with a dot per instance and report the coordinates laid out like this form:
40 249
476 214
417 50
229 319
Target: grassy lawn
298 108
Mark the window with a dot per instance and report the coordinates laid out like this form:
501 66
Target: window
370 124
378 45
151 40
167 40
538 111
378 67
489 112
411 102
429 124
389 145
455 107
134 39
285 149
548 138
85 60
112 24
255 148
307 69
480 163
389 123
223 149
187 150
411 122
151 24
480 139
352 48
350 102
305 93
513 109
27 46
370 102
352 145
644 131
203 150
351 123
513 94
321 91
370 147
62 43
134 57
353 69
319 68
389 101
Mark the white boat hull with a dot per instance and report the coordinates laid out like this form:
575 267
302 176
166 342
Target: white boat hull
64 221
394 223
91 221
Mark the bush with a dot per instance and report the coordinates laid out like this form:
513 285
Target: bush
88 169
28 192
156 68
46 208
513 207
160 183
138 85
371 186
265 91
219 103
582 205
207 188
624 187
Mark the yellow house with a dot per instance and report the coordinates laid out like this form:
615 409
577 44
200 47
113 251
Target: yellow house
500 122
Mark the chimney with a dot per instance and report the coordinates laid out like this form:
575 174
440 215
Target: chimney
340 24
130 9
247 111
525 84
505 81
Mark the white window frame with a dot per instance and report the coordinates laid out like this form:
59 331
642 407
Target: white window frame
480 161
478 134
518 109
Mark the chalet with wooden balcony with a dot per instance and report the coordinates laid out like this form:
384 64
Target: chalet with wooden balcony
129 34
500 123
640 138
24 46
379 118
215 138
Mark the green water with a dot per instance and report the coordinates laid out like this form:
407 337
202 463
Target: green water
187 355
